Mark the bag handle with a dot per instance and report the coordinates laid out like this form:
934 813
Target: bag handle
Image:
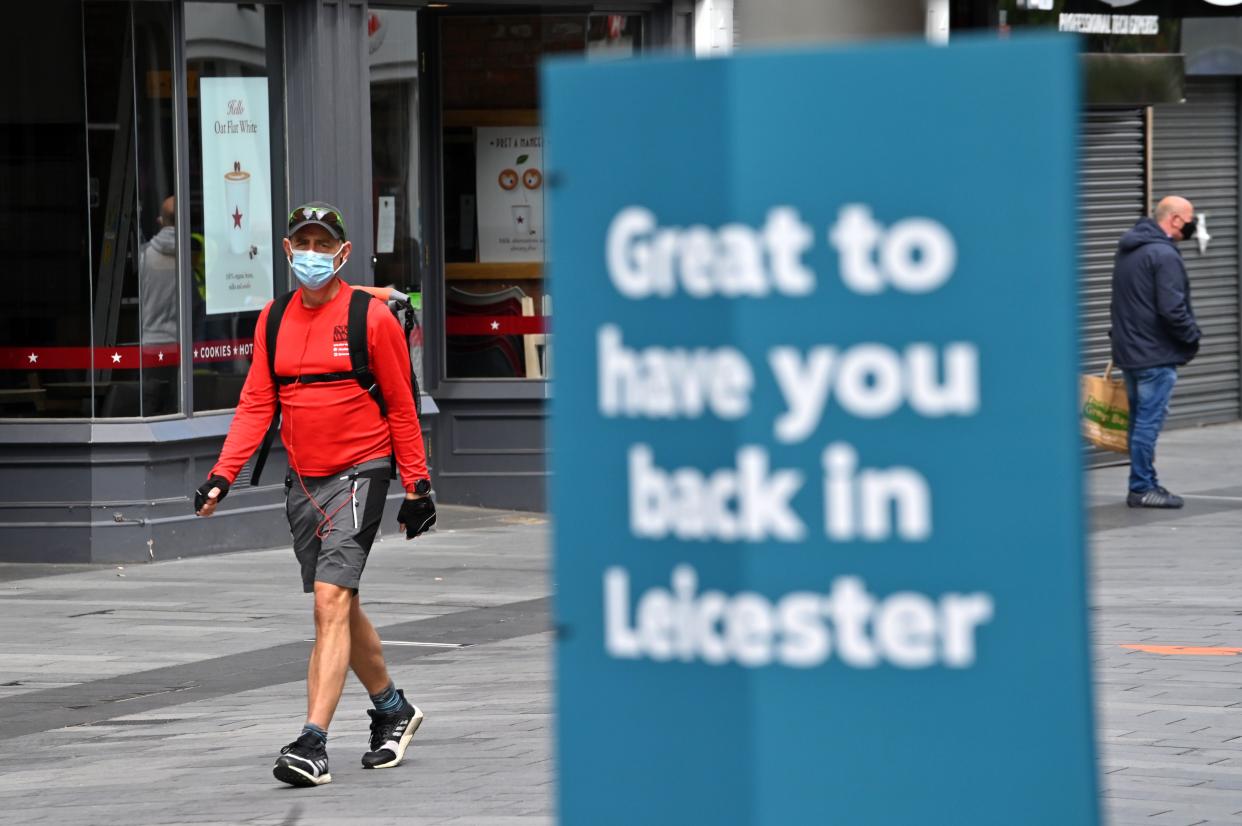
1108 371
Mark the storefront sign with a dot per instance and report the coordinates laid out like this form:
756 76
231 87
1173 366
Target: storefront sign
237 194
1161 8
1147 24
509 189
125 357
89 358
817 483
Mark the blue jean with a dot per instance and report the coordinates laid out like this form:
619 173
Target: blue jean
1149 391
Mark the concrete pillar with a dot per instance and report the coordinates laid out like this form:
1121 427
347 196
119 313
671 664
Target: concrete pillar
328 102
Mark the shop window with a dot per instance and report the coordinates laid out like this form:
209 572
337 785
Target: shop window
497 309
392 39
235 189
90 322
613 36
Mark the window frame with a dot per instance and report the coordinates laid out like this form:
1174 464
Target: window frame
431 174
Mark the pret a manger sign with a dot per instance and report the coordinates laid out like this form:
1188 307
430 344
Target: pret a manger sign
809 377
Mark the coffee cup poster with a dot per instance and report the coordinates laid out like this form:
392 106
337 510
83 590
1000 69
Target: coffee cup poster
509 186
237 194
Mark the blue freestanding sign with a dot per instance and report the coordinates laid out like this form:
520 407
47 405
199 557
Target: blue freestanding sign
819 535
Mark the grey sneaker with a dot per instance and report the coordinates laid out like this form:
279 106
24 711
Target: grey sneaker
1154 498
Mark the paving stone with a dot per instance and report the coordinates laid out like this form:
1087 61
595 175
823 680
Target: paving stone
208 760
1167 725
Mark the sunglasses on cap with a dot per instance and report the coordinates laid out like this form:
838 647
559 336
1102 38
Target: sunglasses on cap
321 215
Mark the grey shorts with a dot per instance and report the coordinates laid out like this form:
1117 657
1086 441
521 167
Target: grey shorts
334 528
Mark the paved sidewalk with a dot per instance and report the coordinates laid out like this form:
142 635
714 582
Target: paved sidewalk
160 694
1170 724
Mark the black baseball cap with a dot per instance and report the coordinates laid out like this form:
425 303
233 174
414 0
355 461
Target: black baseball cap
321 214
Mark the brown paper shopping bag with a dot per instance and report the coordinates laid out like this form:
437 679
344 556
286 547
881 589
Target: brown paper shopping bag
1105 411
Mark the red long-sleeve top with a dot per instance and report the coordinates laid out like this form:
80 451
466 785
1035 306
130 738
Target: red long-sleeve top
328 426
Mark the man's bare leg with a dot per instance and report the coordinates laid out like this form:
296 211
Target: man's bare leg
366 654
395 719
325 675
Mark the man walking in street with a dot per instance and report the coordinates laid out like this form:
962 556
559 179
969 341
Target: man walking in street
340 436
1153 333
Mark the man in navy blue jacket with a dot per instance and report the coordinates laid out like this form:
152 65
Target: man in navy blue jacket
1154 332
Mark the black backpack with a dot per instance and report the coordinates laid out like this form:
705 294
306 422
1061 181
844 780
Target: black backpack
359 363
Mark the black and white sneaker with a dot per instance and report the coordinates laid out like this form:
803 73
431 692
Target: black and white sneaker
1154 498
304 762
390 734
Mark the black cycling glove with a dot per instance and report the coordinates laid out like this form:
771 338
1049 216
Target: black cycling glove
417 515
200 495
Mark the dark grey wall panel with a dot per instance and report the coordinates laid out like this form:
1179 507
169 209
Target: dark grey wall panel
116 501
41 544
42 473
491 453
492 434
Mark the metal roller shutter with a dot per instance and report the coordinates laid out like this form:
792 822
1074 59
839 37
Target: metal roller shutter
1112 177
1195 154
1112 171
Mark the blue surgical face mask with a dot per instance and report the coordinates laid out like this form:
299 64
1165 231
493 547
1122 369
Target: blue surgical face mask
313 269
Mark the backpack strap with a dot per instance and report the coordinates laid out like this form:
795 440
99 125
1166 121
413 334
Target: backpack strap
359 358
274 316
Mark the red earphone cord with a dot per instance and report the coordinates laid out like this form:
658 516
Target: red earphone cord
287 421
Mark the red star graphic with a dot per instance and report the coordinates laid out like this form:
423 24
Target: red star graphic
521 220
237 216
